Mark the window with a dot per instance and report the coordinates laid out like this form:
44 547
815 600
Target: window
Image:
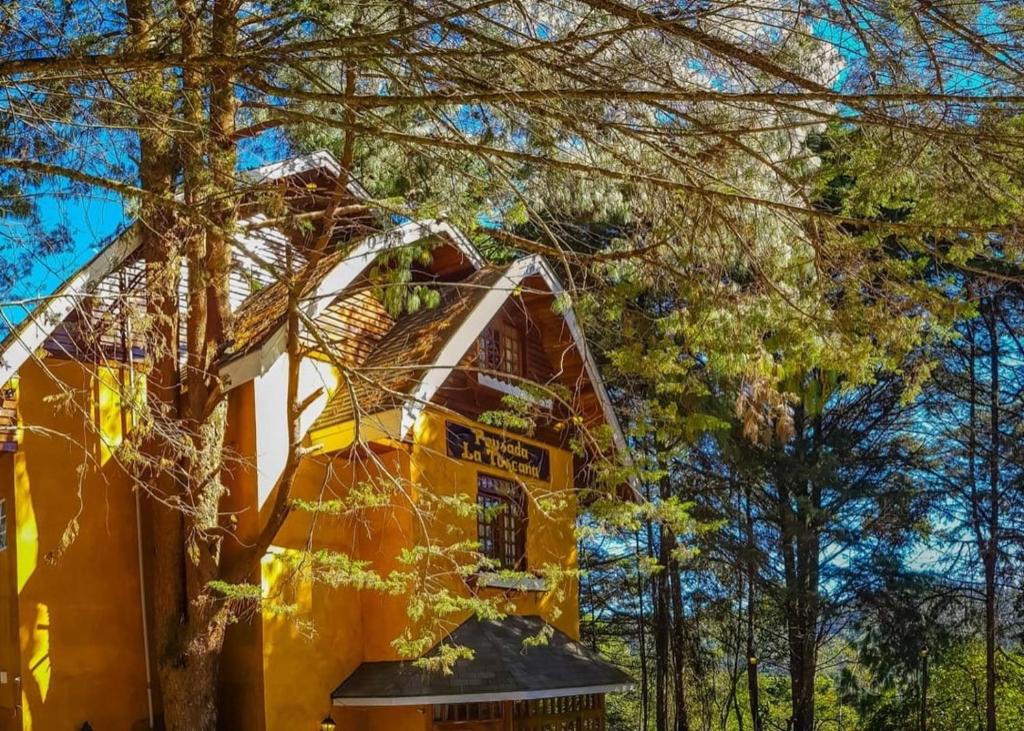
501 521
467 712
501 349
579 712
3 525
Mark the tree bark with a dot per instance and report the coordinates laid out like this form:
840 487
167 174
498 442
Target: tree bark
924 690
662 619
187 433
681 711
642 638
990 555
800 539
753 686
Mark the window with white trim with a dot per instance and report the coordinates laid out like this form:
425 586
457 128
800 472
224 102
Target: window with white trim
501 349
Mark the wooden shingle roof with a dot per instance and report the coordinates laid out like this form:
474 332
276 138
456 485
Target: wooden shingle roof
264 311
412 346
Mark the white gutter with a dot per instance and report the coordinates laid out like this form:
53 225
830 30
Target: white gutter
512 695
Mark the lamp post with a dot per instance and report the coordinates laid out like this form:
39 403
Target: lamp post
328 724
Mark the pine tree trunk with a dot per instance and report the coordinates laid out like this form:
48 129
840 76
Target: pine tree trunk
801 551
681 716
662 619
185 443
189 692
924 691
642 639
991 553
753 686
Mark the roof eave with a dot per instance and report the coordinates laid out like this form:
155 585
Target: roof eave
30 335
467 333
250 364
523 695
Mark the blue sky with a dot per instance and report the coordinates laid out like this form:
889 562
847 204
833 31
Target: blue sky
89 219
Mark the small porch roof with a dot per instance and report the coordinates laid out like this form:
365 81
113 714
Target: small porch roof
502 669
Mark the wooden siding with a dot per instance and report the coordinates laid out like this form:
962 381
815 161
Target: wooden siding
9 418
351 327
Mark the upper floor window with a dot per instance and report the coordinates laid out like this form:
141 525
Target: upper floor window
3 525
501 521
501 349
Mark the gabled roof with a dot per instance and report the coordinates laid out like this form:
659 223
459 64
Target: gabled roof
403 356
502 668
260 333
32 332
413 361
28 336
473 325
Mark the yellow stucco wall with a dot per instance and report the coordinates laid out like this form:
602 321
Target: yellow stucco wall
313 633
551 514
70 620
327 632
240 691
9 630
79 628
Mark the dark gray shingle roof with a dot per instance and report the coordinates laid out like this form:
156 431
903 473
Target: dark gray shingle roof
501 666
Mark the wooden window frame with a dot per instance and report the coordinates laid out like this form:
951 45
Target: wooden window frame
454 715
502 349
579 712
502 521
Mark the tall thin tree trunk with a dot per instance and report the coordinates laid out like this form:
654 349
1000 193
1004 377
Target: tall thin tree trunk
662 620
924 690
753 686
801 551
681 715
642 639
991 553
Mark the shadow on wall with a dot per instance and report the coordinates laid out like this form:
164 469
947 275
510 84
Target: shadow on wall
80 632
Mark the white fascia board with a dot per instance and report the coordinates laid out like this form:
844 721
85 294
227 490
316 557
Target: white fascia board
459 344
569 315
319 160
463 338
28 337
256 362
496 384
530 695
271 404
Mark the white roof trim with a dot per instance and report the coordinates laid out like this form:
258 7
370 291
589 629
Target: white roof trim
321 159
30 335
258 361
468 332
422 700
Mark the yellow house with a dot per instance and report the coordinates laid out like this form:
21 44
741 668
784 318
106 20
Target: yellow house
395 446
